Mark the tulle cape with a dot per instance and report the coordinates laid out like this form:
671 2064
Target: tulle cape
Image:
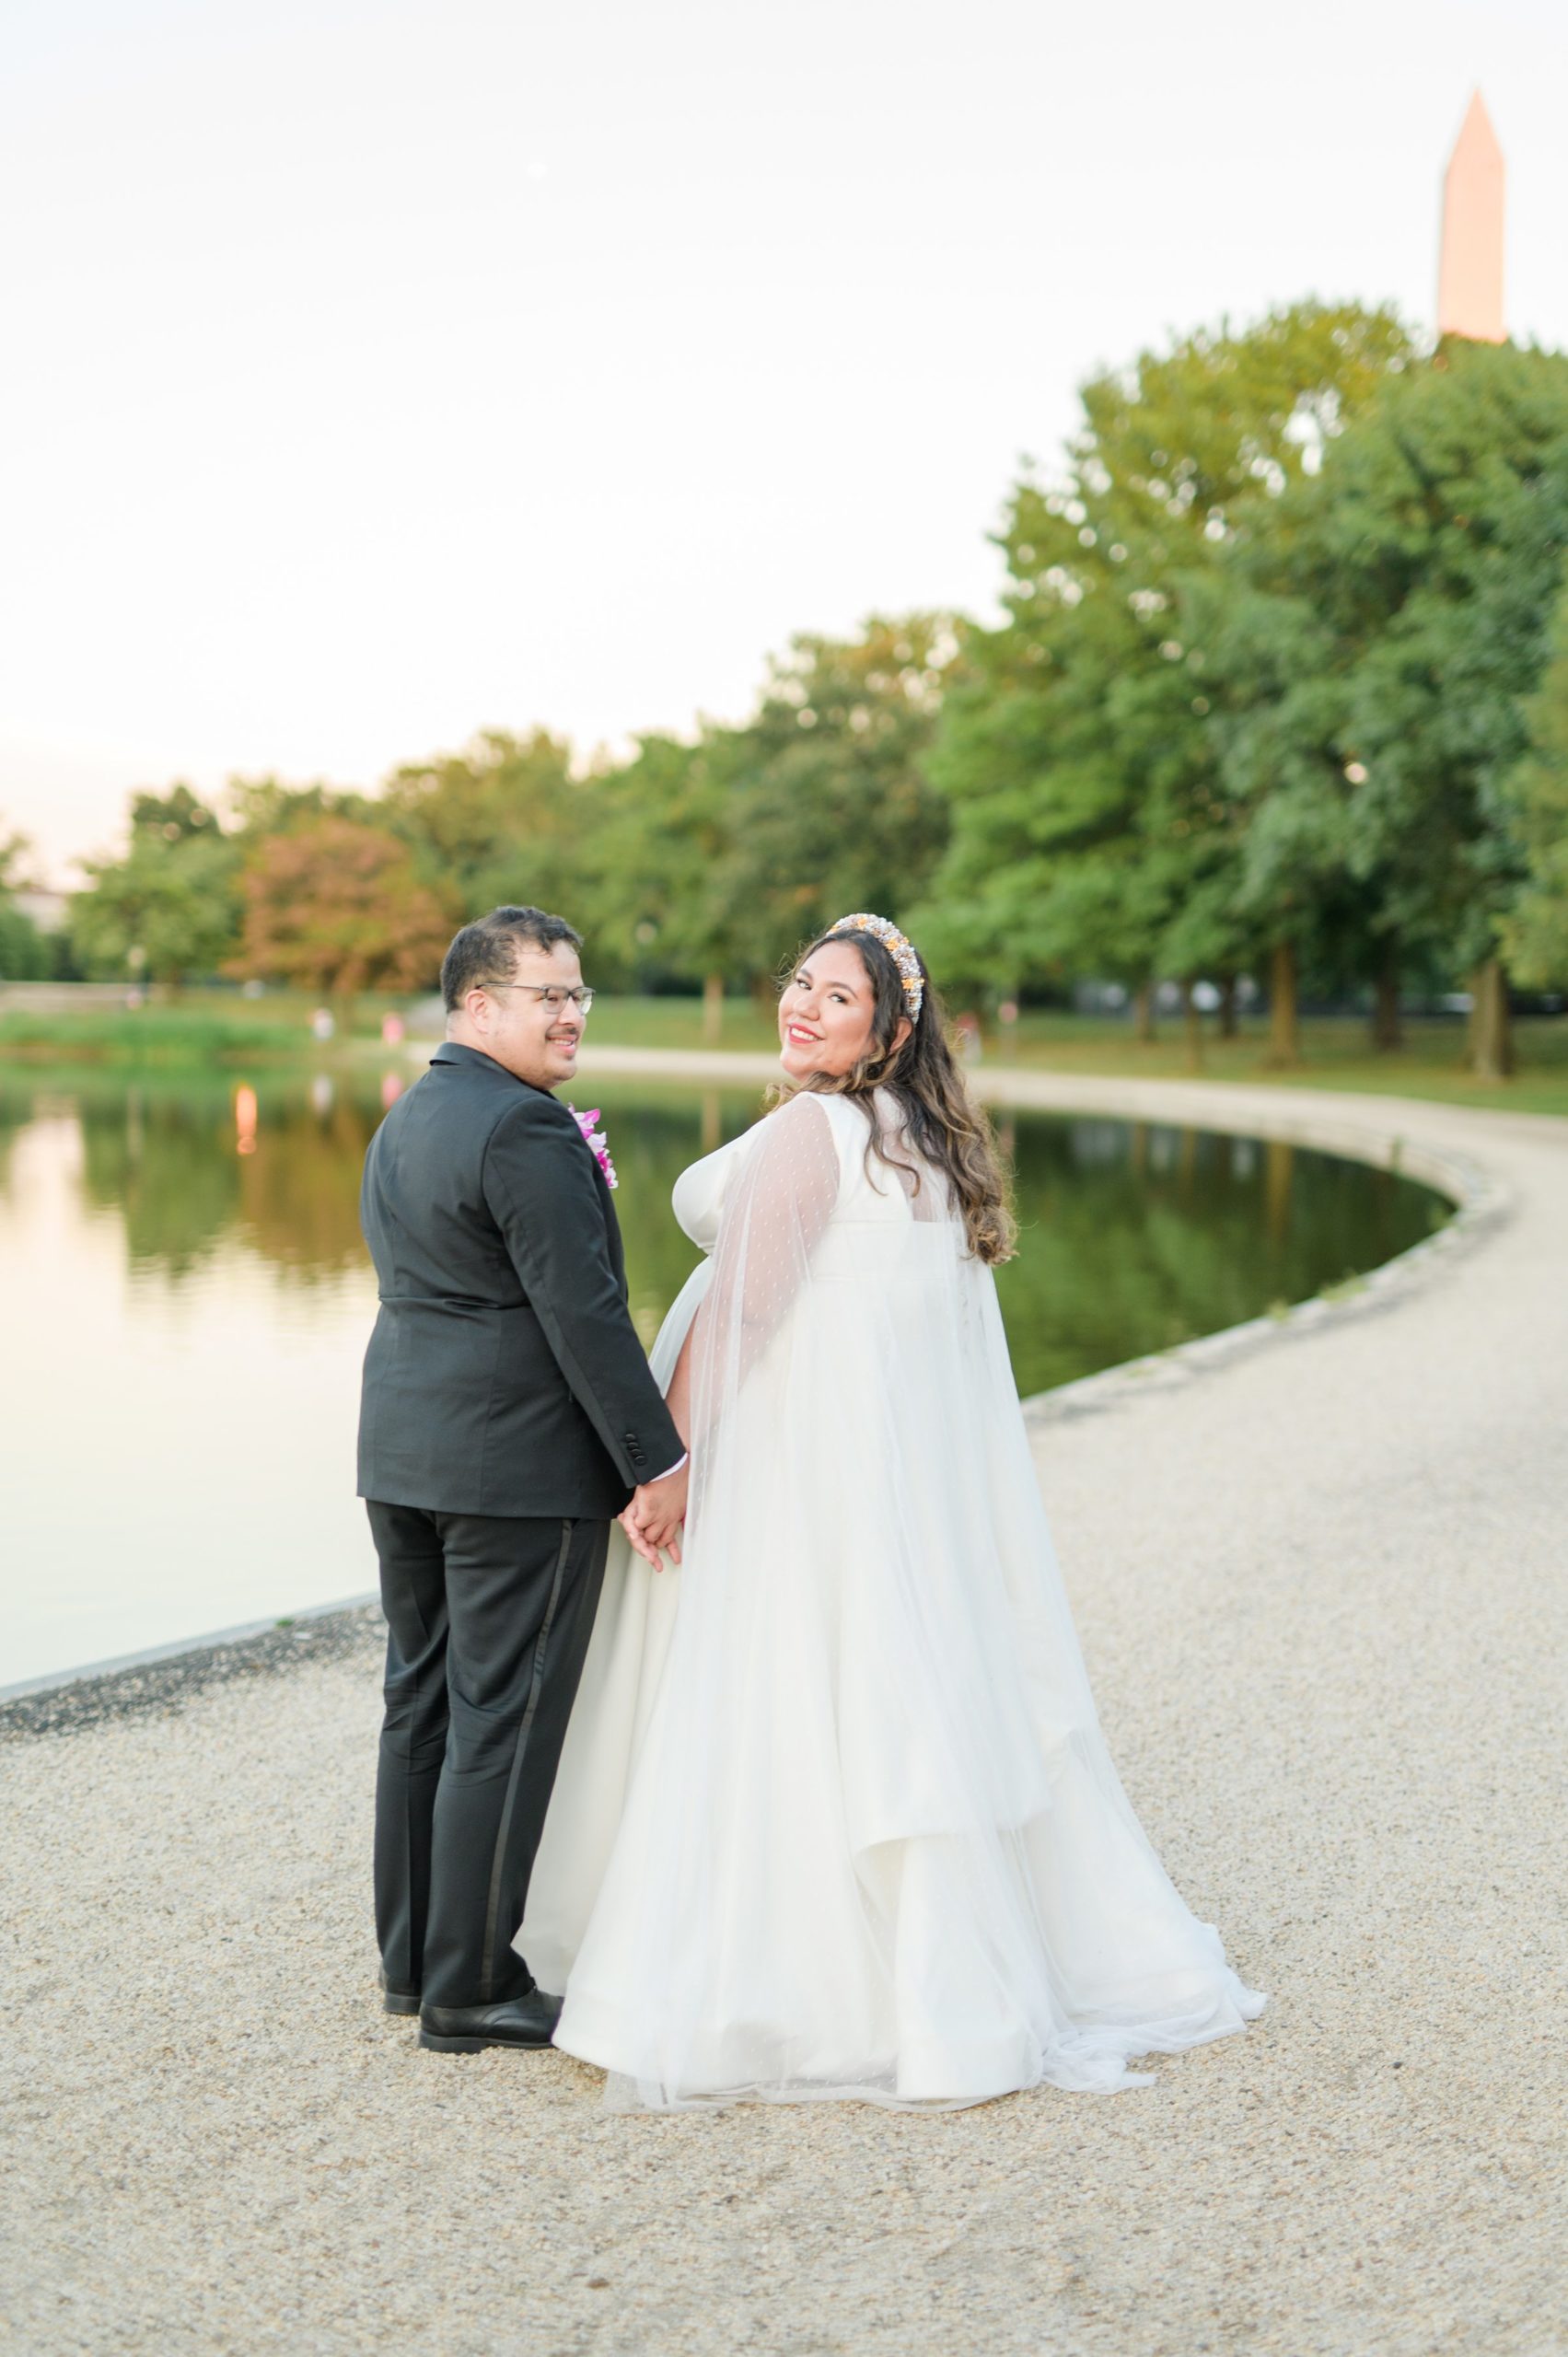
835 1816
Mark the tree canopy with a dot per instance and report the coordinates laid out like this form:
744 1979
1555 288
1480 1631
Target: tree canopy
1280 690
338 905
24 953
169 909
1535 930
1092 829
1381 653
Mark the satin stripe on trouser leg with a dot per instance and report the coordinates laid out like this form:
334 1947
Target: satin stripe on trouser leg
413 1732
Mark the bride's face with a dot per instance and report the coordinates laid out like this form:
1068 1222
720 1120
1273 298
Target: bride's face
825 1013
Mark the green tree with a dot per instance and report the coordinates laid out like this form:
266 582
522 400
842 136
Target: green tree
24 952
264 806
715 857
508 819
663 907
1535 932
177 817
1093 831
829 805
1379 673
338 907
169 909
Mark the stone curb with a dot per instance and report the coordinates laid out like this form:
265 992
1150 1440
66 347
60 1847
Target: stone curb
166 1679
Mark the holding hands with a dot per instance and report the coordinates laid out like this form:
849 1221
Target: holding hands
653 1520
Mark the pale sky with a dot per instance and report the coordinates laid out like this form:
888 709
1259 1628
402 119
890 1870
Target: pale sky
377 373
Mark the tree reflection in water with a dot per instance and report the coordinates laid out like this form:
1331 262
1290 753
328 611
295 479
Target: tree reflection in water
220 1384
168 1159
1133 1235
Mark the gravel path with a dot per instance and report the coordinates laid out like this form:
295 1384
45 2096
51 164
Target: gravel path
1320 1585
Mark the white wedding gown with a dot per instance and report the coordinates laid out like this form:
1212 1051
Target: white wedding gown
835 1817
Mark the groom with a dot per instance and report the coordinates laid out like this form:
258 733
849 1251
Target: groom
507 1415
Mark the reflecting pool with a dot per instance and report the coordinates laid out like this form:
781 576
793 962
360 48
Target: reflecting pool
186 1300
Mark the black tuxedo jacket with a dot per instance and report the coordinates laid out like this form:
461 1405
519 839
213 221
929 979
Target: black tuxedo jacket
504 1375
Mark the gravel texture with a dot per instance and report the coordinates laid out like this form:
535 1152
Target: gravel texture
1320 1585
162 1681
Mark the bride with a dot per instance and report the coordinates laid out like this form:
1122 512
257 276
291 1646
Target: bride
835 1817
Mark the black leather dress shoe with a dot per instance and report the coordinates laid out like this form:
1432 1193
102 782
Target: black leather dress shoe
398 2001
467 2029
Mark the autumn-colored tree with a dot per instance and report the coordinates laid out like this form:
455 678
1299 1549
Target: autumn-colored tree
338 907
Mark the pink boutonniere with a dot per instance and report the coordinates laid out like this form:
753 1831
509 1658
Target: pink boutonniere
595 1141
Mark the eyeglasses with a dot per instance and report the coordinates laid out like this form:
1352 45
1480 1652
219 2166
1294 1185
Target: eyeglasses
550 994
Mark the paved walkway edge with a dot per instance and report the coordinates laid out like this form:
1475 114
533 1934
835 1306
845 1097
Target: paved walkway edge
165 1675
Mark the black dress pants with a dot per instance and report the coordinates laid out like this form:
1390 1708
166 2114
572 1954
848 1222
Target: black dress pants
488 1620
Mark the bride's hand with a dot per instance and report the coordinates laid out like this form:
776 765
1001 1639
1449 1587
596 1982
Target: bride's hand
641 1544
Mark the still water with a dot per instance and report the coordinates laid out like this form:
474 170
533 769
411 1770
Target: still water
186 1300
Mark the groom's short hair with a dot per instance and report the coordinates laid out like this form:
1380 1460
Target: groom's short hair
486 951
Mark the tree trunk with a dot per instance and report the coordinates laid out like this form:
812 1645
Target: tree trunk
1143 1011
1492 1030
1279 1171
1387 1033
1284 1031
1229 1013
712 1009
1192 1029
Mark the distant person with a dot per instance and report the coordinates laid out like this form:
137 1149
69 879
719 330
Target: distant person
508 1415
835 1816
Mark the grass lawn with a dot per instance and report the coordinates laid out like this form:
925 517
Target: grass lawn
193 1028
219 1028
1335 1055
1335 1051
153 1035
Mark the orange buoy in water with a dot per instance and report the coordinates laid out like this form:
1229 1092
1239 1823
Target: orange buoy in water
245 1115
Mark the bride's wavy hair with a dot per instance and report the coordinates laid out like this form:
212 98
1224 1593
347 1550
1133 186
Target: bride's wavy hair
946 1128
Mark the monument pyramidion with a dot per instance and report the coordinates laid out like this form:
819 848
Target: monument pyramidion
1469 272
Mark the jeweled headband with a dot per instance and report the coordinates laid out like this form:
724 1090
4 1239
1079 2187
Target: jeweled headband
898 948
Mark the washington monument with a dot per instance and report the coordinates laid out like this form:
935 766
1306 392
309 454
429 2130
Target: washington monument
1469 272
